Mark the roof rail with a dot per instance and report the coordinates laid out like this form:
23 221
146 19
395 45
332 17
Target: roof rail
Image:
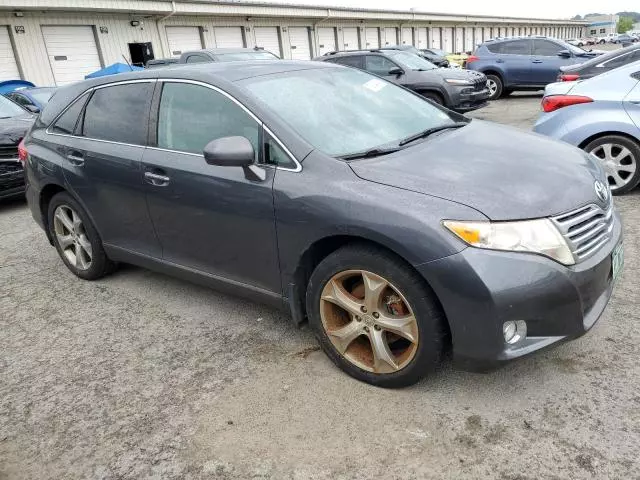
334 52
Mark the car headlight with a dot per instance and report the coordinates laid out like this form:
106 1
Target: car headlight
534 236
458 81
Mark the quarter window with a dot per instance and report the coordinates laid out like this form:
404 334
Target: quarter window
545 48
196 59
275 155
66 124
378 65
350 61
190 116
119 113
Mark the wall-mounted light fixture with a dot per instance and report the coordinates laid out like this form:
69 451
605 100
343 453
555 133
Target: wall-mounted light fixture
19 14
135 23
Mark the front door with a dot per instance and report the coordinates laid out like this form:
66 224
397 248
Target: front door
213 219
546 61
381 66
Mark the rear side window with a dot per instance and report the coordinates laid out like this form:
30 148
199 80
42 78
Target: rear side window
197 59
545 48
495 47
66 124
351 61
119 113
517 47
623 59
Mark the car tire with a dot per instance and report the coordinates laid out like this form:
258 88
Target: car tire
76 239
434 97
494 83
619 155
602 42
350 268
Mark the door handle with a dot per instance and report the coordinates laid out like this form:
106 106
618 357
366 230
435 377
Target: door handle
499 60
75 158
156 179
536 61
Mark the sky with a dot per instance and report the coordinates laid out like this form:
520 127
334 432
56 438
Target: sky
508 8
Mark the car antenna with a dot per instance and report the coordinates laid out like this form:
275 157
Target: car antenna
125 59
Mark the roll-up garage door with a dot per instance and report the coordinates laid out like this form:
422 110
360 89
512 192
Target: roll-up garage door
350 35
228 37
372 37
477 37
326 40
407 36
436 33
183 39
422 42
268 38
299 39
390 36
458 46
447 39
487 33
72 52
468 39
8 65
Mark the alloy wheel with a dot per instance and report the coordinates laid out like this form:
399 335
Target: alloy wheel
72 237
619 163
369 321
493 87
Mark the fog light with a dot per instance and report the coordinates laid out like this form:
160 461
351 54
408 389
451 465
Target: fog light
514 331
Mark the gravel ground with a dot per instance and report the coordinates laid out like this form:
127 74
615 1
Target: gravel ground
144 376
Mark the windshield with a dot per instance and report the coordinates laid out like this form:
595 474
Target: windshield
42 95
232 57
342 111
411 61
9 109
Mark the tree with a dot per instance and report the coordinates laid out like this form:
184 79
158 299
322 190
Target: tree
625 24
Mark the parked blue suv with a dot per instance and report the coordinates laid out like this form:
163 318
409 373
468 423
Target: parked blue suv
523 63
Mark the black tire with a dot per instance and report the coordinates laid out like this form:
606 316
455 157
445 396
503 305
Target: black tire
434 97
499 86
602 42
631 181
432 332
100 265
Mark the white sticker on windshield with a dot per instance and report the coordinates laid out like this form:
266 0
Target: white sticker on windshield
375 85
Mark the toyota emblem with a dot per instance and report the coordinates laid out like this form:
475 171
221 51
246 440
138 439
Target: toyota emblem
601 190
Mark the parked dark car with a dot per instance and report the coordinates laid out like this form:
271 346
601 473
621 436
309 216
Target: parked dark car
523 63
32 99
216 55
600 64
435 56
398 228
14 123
437 60
458 90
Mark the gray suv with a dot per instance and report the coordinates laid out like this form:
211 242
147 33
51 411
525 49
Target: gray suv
399 229
459 90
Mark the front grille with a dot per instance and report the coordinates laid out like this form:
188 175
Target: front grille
480 84
586 229
8 152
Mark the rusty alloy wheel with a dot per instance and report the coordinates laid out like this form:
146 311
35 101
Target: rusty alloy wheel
369 321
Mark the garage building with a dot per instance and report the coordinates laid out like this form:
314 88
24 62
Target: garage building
56 42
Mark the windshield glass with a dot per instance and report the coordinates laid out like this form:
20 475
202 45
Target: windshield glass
9 109
342 111
411 61
42 95
232 57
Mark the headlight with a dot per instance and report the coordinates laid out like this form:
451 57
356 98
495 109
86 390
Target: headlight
458 81
535 236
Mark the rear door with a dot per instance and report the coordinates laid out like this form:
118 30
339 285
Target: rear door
545 61
102 153
379 65
516 58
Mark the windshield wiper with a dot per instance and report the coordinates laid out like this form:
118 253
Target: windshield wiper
429 131
374 152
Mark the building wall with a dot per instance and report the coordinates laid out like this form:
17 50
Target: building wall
113 32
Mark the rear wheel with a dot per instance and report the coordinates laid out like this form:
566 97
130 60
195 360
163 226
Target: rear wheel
620 157
375 317
494 83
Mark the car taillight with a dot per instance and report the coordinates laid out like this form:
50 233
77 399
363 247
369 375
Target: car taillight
22 152
554 102
568 77
472 58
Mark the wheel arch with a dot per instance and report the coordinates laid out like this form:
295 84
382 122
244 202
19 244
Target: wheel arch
46 194
595 136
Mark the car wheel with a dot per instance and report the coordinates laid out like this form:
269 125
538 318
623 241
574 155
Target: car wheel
601 42
434 97
494 83
620 157
374 317
76 239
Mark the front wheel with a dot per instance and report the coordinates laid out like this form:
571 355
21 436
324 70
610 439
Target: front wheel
620 157
375 317
601 42
494 83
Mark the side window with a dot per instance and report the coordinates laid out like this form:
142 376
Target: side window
196 59
545 48
619 61
275 155
119 113
378 64
517 47
66 124
351 61
190 116
19 99
495 47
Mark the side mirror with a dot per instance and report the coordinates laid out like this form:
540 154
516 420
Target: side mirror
229 152
564 53
396 71
32 108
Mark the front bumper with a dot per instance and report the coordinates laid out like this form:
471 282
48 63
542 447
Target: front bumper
481 289
11 178
466 101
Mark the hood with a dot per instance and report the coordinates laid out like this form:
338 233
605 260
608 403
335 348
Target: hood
461 74
502 172
13 129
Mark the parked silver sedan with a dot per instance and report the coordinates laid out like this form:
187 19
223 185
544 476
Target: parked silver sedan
602 116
